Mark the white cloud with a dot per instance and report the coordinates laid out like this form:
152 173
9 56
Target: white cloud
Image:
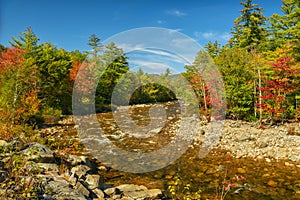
212 35
205 35
151 67
225 36
176 13
160 21
209 35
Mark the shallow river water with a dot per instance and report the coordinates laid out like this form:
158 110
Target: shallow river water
249 178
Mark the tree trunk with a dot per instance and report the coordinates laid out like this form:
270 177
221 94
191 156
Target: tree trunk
255 99
204 95
260 95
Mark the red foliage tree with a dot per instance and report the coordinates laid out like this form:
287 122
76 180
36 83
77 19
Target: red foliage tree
278 86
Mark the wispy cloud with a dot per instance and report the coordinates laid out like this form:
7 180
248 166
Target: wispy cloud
160 21
175 12
225 36
212 35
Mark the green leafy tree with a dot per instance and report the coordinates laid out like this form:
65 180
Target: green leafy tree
53 67
18 97
279 86
238 78
249 29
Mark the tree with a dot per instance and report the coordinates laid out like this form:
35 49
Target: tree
238 77
94 42
53 66
249 29
197 75
27 40
112 67
213 49
18 98
286 27
2 48
279 85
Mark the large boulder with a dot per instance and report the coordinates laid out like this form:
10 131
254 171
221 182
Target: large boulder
60 189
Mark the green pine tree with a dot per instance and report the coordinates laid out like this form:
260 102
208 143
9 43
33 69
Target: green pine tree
249 30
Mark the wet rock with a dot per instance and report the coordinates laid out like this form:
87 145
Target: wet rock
39 153
272 183
168 176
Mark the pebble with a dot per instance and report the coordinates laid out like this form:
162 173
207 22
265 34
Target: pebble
272 183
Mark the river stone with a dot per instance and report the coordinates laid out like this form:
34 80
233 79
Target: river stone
80 170
73 180
110 191
99 193
272 183
93 181
81 189
74 160
39 153
60 190
139 191
241 170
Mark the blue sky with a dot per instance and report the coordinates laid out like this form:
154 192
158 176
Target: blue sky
69 23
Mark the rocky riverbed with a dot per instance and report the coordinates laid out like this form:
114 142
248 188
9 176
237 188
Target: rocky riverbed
66 177
269 159
277 142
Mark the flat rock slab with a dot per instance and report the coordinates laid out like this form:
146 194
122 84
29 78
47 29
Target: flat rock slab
60 189
139 192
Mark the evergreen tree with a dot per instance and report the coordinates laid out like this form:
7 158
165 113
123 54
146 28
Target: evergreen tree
27 40
213 49
2 48
115 64
94 42
249 30
286 27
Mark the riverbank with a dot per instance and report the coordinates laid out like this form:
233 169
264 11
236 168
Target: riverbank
268 159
